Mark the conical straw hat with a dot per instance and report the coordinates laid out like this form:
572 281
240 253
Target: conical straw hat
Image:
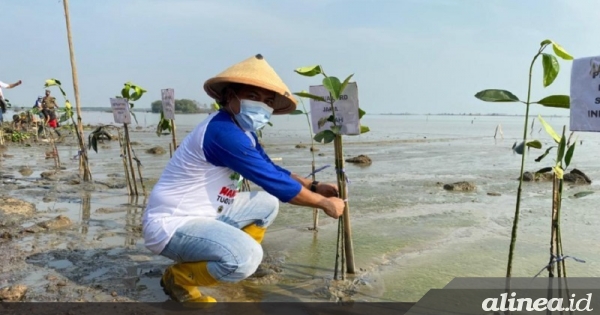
254 71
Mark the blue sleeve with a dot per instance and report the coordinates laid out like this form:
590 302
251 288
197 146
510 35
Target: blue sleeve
228 146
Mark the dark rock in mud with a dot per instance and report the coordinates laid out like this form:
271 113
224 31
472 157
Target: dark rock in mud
321 154
495 194
113 183
300 146
13 293
12 206
6 236
58 223
575 176
7 156
361 159
460 186
314 149
25 170
135 143
156 150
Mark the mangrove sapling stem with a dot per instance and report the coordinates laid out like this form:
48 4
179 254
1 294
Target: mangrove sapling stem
513 238
553 227
170 150
314 177
128 145
139 168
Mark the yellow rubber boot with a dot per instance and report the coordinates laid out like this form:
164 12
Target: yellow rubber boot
256 232
181 282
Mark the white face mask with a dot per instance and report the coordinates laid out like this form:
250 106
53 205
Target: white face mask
253 115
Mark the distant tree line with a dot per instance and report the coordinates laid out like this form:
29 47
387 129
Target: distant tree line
183 106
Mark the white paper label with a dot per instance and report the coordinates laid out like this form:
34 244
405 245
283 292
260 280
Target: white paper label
168 103
346 110
120 108
585 94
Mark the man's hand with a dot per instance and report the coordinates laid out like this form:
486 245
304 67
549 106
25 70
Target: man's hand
335 207
327 190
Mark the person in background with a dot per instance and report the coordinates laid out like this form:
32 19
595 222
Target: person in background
3 105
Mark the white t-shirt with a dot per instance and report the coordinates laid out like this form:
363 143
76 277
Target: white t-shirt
3 86
200 182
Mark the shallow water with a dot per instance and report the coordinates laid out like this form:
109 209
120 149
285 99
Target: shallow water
409 234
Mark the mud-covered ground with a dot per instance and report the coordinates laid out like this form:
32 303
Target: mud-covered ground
63 239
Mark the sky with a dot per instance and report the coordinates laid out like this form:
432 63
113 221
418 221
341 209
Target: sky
415 56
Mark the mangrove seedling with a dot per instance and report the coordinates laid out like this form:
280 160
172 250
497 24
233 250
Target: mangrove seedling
551 69
564 155
312 150
67 113
335 88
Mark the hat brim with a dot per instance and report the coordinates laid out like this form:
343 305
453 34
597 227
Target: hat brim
283 104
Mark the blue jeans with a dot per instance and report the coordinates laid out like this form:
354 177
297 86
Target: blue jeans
231 254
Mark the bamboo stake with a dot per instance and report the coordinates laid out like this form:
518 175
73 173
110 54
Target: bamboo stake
128 145
55 150
123 158
553 233
84 168
174 135
339 162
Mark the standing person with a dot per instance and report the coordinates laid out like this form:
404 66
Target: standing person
49 101
50 120
196 215
3 105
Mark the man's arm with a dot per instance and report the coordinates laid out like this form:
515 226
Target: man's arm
235 151
10 86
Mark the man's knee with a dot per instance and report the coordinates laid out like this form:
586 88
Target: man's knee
271 204
234 268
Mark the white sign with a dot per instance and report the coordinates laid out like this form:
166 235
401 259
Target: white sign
120 107
168 103
346 110
585 94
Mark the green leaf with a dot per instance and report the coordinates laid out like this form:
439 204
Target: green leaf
345 83
551 68
297 112
569 154
325 136
493 95
549 129
311 96
336 129
561 149
270 123
582 194
216 106
330 118
561 52
333 85
560 101
536 144
364 129
125 92
541 157
361 113
309 71
545 42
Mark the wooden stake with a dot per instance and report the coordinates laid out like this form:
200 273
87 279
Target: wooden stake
141 178
84 168
347 237
174 135
128 144
170 150
123 154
